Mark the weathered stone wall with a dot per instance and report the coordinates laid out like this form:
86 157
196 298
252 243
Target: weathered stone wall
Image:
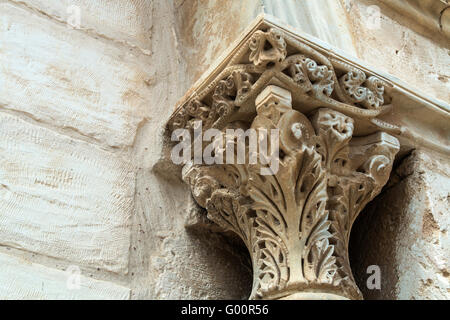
72 101
82 112
405 232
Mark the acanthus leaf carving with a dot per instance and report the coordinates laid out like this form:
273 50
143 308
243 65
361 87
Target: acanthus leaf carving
369 96
295 221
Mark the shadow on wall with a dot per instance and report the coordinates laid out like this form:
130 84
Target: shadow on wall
229 258
373 240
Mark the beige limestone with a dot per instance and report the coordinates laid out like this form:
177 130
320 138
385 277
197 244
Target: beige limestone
148 54
37 53
294 215
21 279
126 22
402 47
431 14
240 200
411 214
57 192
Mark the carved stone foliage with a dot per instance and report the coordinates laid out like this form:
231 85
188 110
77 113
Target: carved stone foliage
273 57
296 220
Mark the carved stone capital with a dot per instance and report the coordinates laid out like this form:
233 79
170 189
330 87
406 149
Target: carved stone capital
334 154
296 222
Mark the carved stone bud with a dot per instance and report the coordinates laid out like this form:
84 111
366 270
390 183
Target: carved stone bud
294 208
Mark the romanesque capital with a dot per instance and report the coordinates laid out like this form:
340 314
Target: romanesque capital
298 152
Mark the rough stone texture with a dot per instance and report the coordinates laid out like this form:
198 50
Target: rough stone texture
63 198
324 19
434 15
220 270
405 232
296 218
20 279
402 46
128 22
95 100
57 75
204 34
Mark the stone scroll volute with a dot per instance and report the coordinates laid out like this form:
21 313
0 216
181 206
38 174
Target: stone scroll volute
295 219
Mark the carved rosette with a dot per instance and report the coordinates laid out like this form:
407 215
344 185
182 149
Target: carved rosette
295 221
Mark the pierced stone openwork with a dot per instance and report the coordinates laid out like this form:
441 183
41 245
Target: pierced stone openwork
295 220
